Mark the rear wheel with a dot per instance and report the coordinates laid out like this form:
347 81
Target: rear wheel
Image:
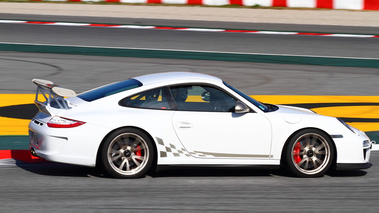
309 153
127 153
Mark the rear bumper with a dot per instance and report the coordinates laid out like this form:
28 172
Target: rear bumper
353 166
77 145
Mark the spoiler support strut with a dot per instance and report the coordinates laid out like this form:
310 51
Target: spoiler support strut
53 96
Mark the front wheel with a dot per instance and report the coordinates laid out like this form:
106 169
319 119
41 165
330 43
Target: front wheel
127 153
309 153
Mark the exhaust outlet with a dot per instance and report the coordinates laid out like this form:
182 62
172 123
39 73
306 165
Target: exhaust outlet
33 152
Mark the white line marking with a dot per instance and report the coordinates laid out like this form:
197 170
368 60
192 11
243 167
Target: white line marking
135 27
70 24
11 21
276 33
203 30
350 35
190 29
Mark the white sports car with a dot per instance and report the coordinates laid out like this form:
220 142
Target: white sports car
129 127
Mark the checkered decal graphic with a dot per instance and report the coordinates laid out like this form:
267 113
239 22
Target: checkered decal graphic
170 150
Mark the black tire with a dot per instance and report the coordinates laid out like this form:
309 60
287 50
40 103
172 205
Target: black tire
309 153
127 153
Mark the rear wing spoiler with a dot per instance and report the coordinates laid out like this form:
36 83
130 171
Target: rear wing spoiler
50 95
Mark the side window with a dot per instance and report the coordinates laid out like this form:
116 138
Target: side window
202 98
158 98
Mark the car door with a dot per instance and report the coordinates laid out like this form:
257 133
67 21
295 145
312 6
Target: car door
208 127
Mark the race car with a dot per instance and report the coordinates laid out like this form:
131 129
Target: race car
131 127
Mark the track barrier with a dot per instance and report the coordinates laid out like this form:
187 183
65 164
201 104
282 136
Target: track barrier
326 4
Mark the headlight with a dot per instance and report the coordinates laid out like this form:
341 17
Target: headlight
347 125
366 143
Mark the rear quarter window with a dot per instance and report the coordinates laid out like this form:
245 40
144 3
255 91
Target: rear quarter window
158 98
109 89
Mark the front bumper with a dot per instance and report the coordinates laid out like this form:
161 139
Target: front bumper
353 166
356 166
353 150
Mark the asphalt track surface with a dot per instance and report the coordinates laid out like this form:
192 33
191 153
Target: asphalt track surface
61 188
82 73
49 187
200 41
85 72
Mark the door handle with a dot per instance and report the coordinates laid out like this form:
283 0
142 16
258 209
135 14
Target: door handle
184 125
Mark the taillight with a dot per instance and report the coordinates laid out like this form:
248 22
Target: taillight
61 122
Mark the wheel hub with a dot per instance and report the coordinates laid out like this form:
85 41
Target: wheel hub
127 153
310 153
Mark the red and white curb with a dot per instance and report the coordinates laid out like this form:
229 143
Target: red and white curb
10 157
73 24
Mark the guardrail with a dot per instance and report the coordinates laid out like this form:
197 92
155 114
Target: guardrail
328 4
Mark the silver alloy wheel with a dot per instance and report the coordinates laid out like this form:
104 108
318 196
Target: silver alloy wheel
311 153
128 154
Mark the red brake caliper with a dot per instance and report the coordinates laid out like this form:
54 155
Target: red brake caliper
296 152
138 151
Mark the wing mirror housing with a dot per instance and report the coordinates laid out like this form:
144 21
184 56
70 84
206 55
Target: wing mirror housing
241 108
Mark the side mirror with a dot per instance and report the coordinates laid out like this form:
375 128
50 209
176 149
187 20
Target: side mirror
206 96
241 108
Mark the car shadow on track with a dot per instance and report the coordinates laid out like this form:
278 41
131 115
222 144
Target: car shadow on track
65 170
348 173
58 169
242 172
212 172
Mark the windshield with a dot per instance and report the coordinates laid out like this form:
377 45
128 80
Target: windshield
109 89
250 99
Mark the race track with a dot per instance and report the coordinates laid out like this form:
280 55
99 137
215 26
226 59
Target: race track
58 188
82 72
49 187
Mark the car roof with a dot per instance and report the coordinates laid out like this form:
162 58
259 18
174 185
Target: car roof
176 77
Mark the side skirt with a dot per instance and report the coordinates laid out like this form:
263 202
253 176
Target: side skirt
210 167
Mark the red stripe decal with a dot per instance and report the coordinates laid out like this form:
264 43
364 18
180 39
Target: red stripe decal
5 154
318 34
279 3
22 155
39 22
241 31
324 4
103 25
195 2
371 5
236 2
170 28
154 1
